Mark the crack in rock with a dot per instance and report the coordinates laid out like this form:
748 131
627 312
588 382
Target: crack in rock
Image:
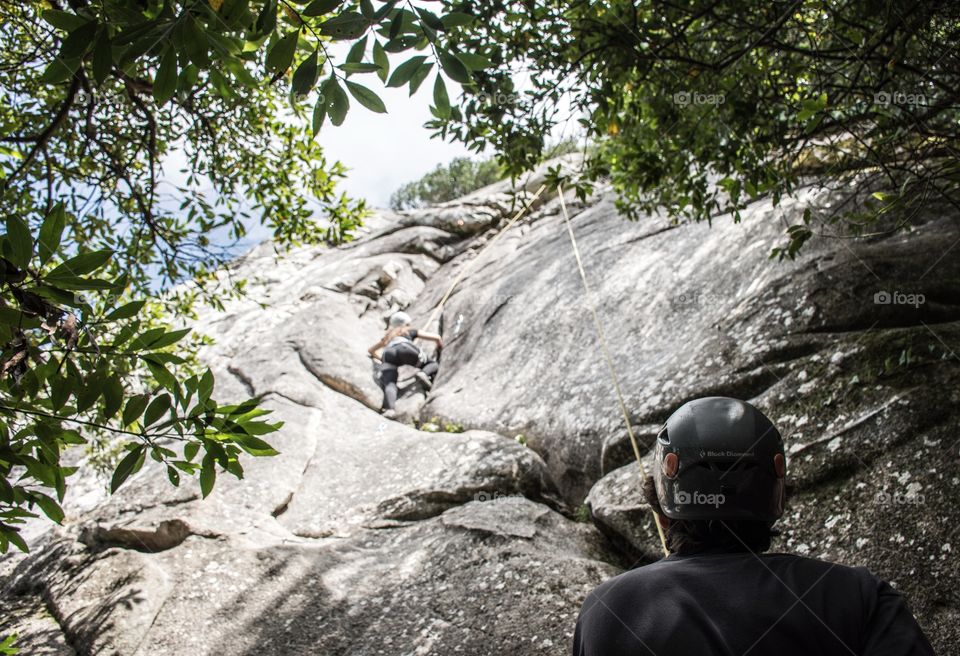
168 534
244 379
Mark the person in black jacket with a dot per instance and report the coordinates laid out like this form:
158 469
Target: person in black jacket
399 349
717 488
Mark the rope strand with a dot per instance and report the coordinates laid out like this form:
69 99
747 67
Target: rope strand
606 355
469 265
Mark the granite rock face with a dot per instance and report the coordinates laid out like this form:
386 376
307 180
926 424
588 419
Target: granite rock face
369 536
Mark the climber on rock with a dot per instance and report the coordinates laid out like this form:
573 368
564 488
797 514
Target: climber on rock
399 349
717 488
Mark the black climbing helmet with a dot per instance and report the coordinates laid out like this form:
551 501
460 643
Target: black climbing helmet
720 458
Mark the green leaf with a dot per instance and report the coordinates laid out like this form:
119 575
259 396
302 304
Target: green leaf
173 475
188 78
157 408
60 70
321 7
164 358
72 437
7 645
454 68
162 374
205 386
79 41
405 71
51 232
169 338
112 396
398 23
366 97
280 55
208 475
20 240
224 45
196 43
337 101
165 82
48 505
128 465
63 20
134 408
88 393
356 52
267 18
251 427
474 62
221 84
440 98
319 113
456 19
430 19
382 12
190 450
239 409
82 264
254 445
60 389
13 536
402 43
381 60
147 338
62 282
348 25
127 311
102 58
358 67
305 77
420 76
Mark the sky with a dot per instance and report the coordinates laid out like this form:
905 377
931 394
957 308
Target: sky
383 151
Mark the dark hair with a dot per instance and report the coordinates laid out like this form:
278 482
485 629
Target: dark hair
687 536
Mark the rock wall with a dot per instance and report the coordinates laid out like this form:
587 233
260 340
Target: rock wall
368 536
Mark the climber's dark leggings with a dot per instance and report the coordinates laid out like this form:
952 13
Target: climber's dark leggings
393 357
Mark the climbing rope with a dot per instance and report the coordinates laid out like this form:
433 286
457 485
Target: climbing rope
610 367
471 263
593 311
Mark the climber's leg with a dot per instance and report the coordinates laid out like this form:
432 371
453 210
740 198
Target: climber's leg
427 372
388 376
431 368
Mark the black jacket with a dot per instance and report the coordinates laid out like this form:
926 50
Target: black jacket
740 604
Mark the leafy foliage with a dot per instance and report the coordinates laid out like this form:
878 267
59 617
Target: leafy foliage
68 365
7 645
446 182
699 108
100 101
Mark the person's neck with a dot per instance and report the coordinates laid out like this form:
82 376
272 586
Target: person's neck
712 550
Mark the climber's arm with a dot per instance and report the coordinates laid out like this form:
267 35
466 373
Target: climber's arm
376 347
432 337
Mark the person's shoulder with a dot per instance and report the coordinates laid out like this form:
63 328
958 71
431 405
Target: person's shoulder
827 569
632 580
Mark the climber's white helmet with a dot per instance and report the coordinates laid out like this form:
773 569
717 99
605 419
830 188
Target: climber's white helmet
399 319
